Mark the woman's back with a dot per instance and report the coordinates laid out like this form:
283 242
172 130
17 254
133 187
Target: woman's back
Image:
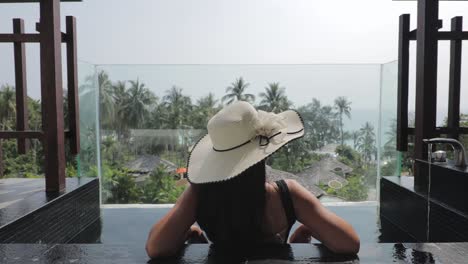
276 224
228 196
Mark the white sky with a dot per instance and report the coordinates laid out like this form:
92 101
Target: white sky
235 32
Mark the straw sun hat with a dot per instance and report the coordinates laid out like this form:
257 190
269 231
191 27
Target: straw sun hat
239 137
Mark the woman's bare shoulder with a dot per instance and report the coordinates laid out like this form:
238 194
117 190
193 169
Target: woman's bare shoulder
293 185
300 194
291 182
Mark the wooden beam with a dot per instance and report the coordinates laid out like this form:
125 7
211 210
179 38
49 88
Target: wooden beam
403 80
26 134
412 34
64 36
451 35
453 120
52 95
33 1
444 35
443 131
20 86
72 77
25 37
2 167
426 82
21 134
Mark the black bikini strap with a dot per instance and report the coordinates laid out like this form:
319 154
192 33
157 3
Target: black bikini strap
287 203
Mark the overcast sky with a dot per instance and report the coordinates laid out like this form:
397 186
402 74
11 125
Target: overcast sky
236 32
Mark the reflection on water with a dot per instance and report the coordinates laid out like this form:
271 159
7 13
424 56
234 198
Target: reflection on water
302 253
273 253
428 201
132 225
409 255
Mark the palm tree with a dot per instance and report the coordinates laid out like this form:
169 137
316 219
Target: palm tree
137 106
205 109
120 92
120 97
7 111
321 122
237 92
367 142
389 148
7 106
274 98
356 138
344 107
178 107
106 102
208 102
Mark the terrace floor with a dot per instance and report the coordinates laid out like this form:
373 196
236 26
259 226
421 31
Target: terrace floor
196 253
124 230
120 235
20 196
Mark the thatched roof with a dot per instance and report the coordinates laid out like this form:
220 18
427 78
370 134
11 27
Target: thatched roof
329 149
148 163
275 175
326 170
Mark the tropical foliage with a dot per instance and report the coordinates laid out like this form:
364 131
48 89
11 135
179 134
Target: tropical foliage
134 121
236 92
274 99
343 106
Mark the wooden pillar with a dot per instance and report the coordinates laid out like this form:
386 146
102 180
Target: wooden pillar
21 86
426 82
453 120
403 77
52 95
72 77
1 159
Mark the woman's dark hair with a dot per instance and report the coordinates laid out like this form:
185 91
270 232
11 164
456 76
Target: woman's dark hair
231 212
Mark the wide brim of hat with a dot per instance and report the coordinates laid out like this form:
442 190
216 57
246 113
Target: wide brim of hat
205 165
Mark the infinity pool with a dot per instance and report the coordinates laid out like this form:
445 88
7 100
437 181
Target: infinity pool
131 223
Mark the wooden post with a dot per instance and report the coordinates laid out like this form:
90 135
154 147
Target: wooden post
52 95
72 76
426 82
453 120
403 72
1 158
21 86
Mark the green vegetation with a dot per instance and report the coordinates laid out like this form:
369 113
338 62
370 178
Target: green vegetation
355 190
344 107
137 122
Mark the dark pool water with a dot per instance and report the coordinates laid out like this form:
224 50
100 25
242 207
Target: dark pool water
131 225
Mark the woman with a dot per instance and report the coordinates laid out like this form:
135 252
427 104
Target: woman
230 199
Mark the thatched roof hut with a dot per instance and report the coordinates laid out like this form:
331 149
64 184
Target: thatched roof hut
143 165
325 171
148 163
274 175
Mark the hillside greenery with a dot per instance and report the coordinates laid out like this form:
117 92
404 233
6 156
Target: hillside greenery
133 118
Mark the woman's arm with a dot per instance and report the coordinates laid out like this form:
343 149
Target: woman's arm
169 234
324 225
302 234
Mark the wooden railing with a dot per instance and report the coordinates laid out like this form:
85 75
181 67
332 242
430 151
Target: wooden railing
53 132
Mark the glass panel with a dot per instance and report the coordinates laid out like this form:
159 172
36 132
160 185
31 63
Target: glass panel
13 164
31 164
151 115
88 159
390 158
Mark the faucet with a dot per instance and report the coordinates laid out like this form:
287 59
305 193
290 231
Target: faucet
459 150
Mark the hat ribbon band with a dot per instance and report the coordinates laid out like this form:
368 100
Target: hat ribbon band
263 141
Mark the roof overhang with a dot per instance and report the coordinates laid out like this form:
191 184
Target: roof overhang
33 1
